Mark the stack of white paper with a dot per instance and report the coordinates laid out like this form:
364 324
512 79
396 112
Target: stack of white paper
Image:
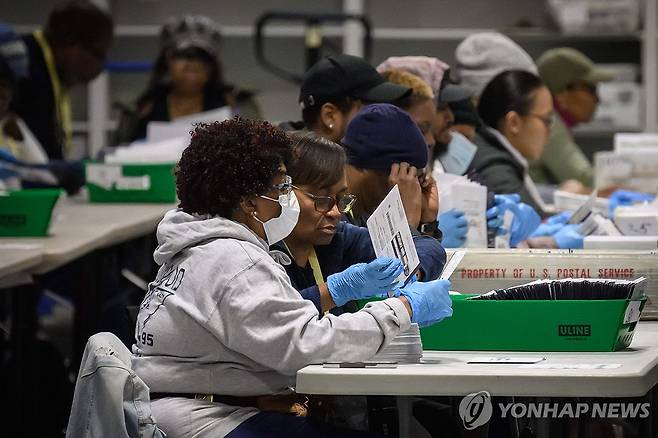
406 347
633 169
621 242
459 193
165 151
628 142
637 220
565 201
597 225
181 127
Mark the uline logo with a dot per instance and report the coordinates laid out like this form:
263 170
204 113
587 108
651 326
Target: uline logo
574 330
12 220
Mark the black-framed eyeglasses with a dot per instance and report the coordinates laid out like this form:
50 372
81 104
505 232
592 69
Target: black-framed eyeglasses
324 204
546 120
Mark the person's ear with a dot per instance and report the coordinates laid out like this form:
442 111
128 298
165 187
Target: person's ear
329 114
513 122
248 205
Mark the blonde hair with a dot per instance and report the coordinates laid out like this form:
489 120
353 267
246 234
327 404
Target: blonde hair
420 90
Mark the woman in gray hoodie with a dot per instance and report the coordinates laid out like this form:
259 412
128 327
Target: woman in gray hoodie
221 332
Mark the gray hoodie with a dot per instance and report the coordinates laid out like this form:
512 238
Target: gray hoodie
221 316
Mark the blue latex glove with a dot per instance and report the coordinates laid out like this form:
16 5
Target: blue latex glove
454 226
569 238
430 301
560 218
546 229
364 280
526 220
495 218
626 197
496 214
510 198
552 225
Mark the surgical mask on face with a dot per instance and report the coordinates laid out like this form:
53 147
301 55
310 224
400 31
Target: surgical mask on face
459 154
280 227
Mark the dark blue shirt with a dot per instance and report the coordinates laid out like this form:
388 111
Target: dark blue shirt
352 245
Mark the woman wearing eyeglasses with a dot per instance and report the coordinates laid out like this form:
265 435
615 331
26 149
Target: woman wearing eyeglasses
221 332
517 111
332 262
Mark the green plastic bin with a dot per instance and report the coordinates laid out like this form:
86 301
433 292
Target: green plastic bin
27 213
533 325
131 182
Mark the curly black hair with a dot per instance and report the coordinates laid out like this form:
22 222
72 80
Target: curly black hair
227 161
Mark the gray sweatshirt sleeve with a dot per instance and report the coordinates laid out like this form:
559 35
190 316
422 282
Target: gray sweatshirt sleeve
261 316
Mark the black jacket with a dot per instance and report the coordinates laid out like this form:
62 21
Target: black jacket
497 169
36 103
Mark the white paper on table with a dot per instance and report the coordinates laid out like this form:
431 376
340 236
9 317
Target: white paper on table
565 201
457 192
19 246
632 170
637 220
508 359
632 141
166 151
181 127
390 234
572 366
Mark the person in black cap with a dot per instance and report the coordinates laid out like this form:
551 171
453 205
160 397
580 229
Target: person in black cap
336 88
385 147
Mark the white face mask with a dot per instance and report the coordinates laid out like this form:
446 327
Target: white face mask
459 154
280 227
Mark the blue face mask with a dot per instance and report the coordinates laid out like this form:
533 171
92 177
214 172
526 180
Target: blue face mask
459 154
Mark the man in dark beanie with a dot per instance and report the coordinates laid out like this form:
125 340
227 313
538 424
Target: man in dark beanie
385 147
70 50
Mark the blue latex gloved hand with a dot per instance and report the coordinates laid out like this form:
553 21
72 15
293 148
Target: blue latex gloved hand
560 218
526 220
569 238
552 225
430 301
496 214
626 197
454 226
364 280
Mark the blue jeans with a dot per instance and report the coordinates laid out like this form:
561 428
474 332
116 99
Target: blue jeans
278 425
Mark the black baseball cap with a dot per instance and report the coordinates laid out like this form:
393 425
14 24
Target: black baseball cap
454 93
346 75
